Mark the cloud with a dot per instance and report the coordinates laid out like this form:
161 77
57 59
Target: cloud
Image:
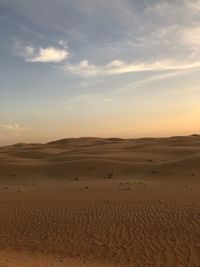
29 51
161 7
129 29
49 54
174 10
88 99
11 130
81 17
11 133
157 77
84 68
117 67
63 43
194 5
12 127
176 19
43 55
191 36
79 99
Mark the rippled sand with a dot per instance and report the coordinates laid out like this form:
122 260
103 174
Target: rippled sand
101 202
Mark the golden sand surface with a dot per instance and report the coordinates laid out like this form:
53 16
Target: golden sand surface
101 202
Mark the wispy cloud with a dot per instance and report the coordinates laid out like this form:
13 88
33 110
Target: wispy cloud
12 127
12 133
63 43
88 99
116 67
191 38
11 130
194 5
168 9
152 79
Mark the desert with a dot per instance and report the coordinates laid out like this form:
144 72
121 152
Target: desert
99 133
101 202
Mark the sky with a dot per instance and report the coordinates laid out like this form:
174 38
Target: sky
124 68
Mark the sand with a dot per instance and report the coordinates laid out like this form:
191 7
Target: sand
101 202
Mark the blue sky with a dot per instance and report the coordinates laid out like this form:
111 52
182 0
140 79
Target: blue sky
98 68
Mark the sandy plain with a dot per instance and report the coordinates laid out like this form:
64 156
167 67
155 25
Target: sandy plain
101 202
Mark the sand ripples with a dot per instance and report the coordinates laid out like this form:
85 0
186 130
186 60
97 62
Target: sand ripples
156 233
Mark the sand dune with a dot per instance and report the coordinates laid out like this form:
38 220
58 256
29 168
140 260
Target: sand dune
101 202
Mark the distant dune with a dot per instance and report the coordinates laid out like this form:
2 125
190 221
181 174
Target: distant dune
101 202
